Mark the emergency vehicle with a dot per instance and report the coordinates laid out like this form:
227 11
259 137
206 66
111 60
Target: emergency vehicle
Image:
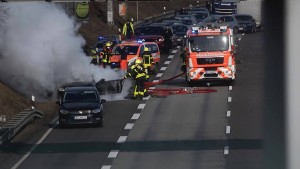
125 53
210 54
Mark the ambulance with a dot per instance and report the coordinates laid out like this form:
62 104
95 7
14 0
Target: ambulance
210 54
125 53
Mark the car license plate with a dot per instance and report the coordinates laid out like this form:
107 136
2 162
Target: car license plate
80 117
241 28
178 39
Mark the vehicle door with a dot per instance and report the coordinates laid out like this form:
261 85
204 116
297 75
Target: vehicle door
154 51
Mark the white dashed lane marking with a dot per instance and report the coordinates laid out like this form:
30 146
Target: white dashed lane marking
227 129
113 154
146 98
163 68
174 51
122 139
129 126
229 99
135 116
167 62
159 74
230 88
171 56
106 167
141 106
226 150
228 114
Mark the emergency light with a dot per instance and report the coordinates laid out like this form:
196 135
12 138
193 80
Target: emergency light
140 40
101 38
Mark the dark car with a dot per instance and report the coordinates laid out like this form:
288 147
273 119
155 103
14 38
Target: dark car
80 105
246 23
155 33
199 15
179 31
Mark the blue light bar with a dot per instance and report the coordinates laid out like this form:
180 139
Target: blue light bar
140 41
102 38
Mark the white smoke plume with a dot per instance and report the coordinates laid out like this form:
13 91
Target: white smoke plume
40 49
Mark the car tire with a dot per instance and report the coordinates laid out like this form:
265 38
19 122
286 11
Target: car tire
101 123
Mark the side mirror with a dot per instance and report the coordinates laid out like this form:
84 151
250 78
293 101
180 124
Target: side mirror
103 101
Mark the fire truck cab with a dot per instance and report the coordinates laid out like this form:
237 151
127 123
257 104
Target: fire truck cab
210 54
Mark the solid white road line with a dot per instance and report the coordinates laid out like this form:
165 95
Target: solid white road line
27 154
229 99
159 74
113 154
106 167
228 114
135 116
227 129
163 68
226 150
141 106
167 62
122 139
129 126
171 56
230 88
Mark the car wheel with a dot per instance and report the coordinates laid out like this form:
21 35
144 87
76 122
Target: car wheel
101 123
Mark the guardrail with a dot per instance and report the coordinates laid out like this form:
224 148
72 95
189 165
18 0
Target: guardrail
17 123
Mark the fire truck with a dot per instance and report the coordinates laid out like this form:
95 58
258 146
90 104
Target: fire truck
210 54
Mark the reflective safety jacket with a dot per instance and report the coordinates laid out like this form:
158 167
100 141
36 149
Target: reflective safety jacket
128 28
148 61
136 71
105 56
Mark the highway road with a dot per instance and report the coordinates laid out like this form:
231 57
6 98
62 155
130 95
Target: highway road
220 130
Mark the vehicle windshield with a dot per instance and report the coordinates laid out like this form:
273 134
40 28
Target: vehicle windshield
243 18
209 43
179 28
80 96
151 30
131 50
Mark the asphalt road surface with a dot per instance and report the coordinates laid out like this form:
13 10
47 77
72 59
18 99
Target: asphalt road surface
219 130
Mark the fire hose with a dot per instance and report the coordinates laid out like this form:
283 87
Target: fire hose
163 92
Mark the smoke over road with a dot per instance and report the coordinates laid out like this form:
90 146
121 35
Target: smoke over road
40 49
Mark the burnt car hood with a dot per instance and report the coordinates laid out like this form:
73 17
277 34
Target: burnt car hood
80 106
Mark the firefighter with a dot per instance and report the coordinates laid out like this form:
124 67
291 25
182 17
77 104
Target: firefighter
148 60
128 30
139 75
106 54
94 56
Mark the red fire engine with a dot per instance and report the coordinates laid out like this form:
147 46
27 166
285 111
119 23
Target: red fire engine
210 54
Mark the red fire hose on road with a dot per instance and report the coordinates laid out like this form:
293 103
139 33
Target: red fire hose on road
162 92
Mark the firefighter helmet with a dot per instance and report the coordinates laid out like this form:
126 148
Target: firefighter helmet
107 44
146 49
138 61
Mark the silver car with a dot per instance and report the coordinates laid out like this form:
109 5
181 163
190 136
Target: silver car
221 20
